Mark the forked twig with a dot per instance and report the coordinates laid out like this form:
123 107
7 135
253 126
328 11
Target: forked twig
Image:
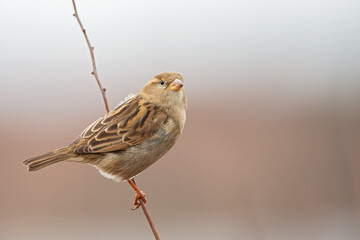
103 92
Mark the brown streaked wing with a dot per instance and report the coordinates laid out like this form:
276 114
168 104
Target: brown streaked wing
92 129
128 125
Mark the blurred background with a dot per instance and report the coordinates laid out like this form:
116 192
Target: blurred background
271 147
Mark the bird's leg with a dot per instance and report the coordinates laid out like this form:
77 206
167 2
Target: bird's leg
138 194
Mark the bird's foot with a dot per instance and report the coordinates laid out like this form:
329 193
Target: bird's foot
139 195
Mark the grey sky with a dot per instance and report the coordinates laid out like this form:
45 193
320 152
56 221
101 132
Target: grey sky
292 48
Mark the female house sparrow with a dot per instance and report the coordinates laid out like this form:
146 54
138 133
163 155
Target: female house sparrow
131 137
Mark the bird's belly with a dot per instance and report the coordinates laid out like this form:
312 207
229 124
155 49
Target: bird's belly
127 163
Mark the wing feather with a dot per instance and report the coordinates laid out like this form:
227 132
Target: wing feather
131 123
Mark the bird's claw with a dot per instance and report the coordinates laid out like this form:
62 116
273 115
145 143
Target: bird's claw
139 195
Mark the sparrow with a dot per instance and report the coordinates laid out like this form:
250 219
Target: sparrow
130 138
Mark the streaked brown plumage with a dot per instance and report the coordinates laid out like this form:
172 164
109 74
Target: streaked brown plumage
131 137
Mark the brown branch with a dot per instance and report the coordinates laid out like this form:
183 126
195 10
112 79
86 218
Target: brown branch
91 48
103 92
148 217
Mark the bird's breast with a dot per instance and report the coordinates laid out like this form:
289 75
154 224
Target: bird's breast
129 162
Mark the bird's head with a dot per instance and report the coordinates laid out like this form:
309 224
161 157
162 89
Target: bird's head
165 89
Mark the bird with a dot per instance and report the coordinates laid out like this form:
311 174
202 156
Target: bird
131 137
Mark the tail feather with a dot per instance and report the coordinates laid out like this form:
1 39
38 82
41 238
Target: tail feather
36 163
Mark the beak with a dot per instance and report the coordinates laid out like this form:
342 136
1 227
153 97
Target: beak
176 85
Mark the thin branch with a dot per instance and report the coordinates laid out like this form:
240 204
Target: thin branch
91 48
103 92
148 217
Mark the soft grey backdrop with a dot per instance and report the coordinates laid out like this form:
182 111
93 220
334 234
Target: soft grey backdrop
271 146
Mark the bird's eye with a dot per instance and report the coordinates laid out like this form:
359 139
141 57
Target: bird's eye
162 82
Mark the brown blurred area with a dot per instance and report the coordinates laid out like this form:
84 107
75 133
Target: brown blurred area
241 172
271 146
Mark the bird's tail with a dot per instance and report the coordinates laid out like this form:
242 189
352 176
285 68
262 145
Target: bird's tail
36 163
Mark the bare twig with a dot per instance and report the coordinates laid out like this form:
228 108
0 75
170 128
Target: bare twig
91 48
148 217
103 92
